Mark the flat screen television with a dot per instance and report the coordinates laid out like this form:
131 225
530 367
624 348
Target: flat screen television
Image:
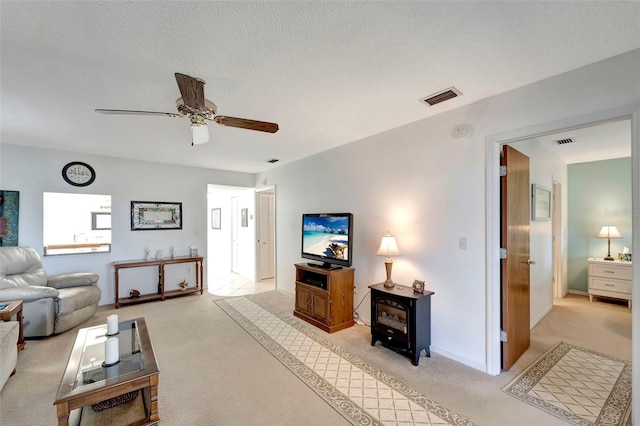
327 238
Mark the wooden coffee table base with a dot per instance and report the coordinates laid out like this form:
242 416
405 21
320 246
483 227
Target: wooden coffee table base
149 389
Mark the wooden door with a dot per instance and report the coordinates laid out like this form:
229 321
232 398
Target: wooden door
514 234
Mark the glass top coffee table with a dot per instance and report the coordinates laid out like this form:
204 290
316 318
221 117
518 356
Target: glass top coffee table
127 392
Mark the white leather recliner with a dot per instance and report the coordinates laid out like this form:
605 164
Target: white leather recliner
51 305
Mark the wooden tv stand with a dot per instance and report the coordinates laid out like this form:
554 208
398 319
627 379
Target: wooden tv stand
160 263
324 297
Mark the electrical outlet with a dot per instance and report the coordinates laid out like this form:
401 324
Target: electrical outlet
462 243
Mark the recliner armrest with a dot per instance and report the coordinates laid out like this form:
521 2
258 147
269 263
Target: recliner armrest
72 280
27 293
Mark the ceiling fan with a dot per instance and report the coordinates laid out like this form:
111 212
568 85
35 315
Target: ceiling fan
192 104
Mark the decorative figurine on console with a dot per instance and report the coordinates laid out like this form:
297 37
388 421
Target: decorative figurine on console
147 253
133 294
172 251
183 285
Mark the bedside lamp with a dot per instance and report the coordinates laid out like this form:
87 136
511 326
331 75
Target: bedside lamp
608 232
388 247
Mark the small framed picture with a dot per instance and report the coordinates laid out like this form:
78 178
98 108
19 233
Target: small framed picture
418 286
215 218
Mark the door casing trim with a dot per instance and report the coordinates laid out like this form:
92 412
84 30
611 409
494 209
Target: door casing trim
493 145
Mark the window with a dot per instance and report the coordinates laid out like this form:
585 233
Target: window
76 223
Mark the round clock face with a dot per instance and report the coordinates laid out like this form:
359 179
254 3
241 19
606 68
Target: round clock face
78 174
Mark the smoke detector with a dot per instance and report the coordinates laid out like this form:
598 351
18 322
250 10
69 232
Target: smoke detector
443 95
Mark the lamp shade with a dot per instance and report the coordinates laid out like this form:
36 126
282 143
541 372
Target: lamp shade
199 133
609 231
388 246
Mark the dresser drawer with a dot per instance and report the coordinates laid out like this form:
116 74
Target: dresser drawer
617 272
617 286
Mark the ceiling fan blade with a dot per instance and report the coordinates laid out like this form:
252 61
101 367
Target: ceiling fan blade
243 123
192 90
133 112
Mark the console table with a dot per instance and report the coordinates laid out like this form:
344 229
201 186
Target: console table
160 263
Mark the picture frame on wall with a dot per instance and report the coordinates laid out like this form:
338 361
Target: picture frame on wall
244 218
216 219
154 215
540 203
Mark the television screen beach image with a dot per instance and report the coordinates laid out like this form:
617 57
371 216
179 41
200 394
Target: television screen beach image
326 236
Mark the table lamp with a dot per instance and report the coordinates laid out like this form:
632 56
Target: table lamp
608 232
388 247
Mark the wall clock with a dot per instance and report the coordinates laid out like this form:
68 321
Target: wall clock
77 173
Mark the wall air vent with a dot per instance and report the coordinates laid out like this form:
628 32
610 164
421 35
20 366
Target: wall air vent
564 141
441 96
273 160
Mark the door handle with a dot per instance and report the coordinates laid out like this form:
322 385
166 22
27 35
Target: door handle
531 262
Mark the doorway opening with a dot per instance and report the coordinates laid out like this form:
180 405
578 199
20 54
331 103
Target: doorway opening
231 242
493 219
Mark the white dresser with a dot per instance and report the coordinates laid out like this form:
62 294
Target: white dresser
610 279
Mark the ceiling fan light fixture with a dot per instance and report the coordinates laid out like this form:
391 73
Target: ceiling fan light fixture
199 134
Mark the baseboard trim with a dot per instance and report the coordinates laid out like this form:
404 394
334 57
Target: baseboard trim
537 319
462 360
580 292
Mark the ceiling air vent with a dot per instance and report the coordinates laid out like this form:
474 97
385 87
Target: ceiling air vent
564 141
442 96
273 160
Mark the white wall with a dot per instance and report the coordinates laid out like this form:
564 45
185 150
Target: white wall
429 189
33 171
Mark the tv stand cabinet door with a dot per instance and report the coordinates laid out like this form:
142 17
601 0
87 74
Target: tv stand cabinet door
303 300
320 306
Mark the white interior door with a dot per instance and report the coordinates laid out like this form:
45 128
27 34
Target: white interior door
234 235
266 235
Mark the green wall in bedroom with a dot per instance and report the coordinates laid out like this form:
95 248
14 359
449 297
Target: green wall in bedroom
599 193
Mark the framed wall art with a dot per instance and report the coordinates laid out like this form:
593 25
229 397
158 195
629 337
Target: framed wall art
215 218
540 203
244 218
9 212
153 215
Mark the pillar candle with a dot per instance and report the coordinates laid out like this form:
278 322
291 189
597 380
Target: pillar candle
112 325
111 355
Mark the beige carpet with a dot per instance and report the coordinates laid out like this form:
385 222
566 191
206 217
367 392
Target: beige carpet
575 384
359 391
212 372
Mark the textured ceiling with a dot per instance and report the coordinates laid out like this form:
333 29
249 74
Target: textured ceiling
328 72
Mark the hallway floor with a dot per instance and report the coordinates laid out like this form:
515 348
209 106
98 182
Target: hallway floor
236 285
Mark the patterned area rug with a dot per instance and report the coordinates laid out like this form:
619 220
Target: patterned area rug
359 391
577 385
